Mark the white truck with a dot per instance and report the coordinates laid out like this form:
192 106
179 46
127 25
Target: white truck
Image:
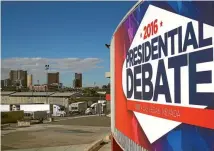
5 108
35 107
95 108
35 111
78 107
58 111
36 115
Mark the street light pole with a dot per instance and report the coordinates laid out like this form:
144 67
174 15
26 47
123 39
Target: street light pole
47 68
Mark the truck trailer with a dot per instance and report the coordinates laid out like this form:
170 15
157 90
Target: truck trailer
5 108
36 115
35 107
162 77
78 107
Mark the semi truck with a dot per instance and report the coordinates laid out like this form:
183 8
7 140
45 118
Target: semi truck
162 77
95 108
55 110
58 110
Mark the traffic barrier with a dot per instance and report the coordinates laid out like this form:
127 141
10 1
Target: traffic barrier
23 123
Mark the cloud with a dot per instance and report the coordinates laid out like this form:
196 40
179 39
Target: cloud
36 66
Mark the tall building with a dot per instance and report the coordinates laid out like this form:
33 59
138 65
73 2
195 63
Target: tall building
53 78
18 77
77 83
29 80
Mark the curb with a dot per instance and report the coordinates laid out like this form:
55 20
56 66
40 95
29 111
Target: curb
98 143
4 126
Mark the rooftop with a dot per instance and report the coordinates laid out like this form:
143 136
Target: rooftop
32 94
7 92
64 94
50 94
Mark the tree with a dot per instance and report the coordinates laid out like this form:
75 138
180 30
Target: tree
104 87
90 92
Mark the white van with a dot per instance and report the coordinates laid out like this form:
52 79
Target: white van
78 107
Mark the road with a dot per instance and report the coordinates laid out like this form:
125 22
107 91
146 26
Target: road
72 132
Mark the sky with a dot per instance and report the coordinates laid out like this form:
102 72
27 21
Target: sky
69 36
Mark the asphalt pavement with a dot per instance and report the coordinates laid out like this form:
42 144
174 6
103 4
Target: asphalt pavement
102 121
65 134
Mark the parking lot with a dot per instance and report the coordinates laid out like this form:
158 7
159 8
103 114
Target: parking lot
66 131
102 121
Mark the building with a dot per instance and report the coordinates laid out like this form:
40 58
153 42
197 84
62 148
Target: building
53 78
77 83
8 97
29 80
18 77
7 82
54 86
38 88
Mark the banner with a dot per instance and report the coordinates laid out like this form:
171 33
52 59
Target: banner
164 77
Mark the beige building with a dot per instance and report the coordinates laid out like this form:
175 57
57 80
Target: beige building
38 97
29 80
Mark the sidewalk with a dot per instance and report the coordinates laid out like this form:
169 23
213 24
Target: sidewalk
79 147
106 147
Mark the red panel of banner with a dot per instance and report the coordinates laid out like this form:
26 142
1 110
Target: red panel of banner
193 116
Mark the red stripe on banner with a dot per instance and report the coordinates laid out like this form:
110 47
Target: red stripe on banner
193 116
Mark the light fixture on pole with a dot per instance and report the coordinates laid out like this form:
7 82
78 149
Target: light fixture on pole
107 45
